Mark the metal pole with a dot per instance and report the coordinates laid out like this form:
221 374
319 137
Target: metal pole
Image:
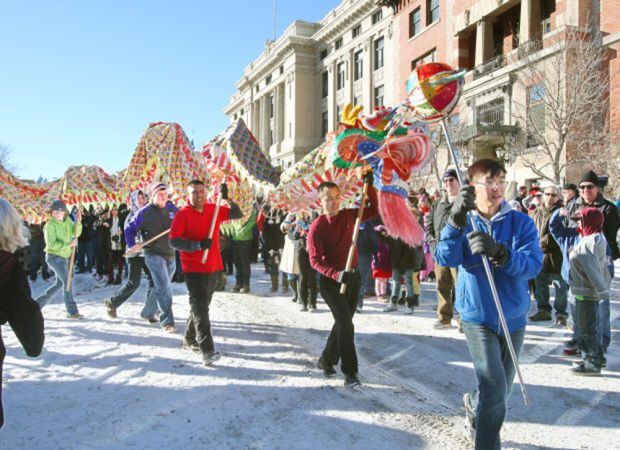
487 269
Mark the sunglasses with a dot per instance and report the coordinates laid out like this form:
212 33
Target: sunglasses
583 187
551 194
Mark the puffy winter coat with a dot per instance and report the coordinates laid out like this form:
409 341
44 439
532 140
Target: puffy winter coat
552 253
474 299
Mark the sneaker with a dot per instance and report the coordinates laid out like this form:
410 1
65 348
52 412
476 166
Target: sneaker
359 308
441 324
571 344
351 380
312 309
245 290
111 308
210 357
571 351
328 369
237 288
586 370
391 307
409 310
560 321
170 329
75 316
470 417
541 316
303 308
193 346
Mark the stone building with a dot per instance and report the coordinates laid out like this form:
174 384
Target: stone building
292 95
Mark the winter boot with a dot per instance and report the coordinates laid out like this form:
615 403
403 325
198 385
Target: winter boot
295 287
274 283
401 300
416 300
285 283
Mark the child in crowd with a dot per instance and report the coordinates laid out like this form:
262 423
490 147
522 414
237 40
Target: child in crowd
381 265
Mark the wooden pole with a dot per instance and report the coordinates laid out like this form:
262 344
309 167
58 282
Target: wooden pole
129 252
212 227
72 258
356 231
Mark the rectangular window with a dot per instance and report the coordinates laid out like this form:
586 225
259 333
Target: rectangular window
547 7
268 80
379 96
323 55
281 70
535 115
324 84
376 17
324 123
338 43
498 38
271 138
415 22
340 75
241 113
379 53
339 109
432 8
358 100
424 59
491 113
271 106
356 31
358 59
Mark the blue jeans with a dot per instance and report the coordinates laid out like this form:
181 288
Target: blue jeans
60 267
541 292
364 261
603 323
396 277
161 270
587 315
495 373
136 265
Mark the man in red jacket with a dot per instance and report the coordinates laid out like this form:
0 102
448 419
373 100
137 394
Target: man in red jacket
189 235
329 240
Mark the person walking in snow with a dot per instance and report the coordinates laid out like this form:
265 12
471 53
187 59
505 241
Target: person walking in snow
189 235
150 221
510 240
136 263
329 240
59 240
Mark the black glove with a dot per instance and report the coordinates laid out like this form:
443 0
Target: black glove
205 244
224 191
368 178
345 277
482 243
464 202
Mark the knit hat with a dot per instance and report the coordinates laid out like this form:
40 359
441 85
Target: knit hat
449 173
590 176
157 187
59 205
591 221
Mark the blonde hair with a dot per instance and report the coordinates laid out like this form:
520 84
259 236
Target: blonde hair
13 234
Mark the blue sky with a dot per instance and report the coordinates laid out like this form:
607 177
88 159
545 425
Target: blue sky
80 81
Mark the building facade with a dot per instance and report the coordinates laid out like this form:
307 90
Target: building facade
293 94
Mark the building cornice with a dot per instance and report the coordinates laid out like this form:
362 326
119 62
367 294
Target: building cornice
338 20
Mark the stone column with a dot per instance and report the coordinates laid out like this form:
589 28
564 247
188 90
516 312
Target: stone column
529 27
331 97
484 41
349 98
369 100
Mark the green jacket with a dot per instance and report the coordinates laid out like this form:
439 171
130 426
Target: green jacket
243 232
58 236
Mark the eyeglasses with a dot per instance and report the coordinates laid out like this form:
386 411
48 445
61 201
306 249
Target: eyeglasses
492 184
551 194
584 187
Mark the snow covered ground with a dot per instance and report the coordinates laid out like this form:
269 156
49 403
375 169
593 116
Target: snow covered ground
124 383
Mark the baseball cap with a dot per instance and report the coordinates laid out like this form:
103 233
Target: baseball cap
59 205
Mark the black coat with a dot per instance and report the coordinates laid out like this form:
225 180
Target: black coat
404 257
18 309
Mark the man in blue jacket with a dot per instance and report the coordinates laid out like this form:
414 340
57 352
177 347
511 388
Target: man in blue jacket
510 240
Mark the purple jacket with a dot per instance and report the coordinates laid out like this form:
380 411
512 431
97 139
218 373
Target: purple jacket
381 260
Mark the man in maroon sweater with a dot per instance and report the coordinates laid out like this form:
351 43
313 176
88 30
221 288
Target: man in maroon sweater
189 234
329 240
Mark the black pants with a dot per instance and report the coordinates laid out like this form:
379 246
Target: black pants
136 266
200 287
307 279
340 343
241 257
37 259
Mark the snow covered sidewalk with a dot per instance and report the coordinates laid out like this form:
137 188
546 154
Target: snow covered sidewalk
120 383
